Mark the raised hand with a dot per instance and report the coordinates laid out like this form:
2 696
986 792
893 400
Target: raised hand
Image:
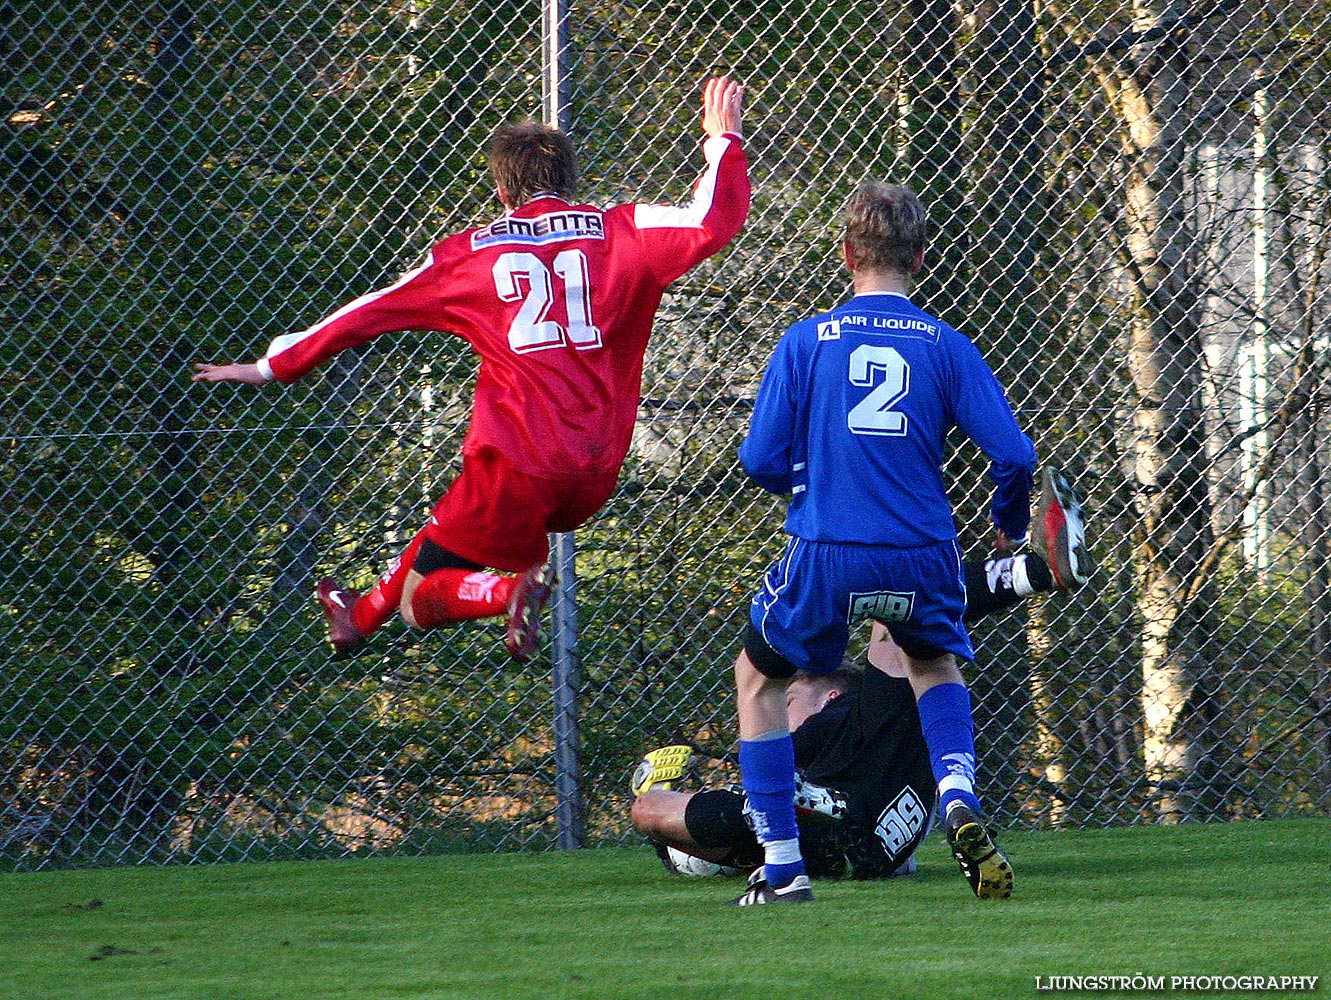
722 104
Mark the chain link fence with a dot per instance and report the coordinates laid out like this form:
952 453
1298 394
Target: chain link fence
1131 205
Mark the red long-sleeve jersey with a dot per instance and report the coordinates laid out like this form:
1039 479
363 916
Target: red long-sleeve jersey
558 301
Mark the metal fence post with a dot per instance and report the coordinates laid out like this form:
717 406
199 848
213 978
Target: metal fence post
563 610
568 745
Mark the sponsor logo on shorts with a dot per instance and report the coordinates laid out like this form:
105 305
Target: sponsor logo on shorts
881 605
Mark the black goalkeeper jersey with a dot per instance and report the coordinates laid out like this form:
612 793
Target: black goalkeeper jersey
868 745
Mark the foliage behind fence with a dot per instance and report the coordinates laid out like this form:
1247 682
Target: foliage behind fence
1130 205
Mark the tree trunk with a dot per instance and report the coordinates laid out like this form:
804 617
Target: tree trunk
1309 432
173 442
1315 529
1148 91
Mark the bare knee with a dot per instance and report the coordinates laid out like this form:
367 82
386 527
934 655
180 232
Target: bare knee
642 813
925 674
761 699
404 607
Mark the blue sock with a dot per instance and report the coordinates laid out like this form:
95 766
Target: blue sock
767 769
949 733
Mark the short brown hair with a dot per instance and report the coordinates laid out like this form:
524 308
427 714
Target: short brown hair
530 158
886 227
845 678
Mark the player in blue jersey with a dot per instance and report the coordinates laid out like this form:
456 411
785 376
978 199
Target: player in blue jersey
864 784
851 420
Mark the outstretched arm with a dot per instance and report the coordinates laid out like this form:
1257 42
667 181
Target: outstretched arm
410 303
246 372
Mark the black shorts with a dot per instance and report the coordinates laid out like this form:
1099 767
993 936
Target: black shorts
834 849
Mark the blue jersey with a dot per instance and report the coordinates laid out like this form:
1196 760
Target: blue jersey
852 418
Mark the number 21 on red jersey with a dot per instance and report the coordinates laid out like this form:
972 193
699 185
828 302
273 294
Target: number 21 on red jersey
532 329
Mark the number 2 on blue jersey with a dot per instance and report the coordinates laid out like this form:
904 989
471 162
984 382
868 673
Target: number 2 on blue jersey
887 371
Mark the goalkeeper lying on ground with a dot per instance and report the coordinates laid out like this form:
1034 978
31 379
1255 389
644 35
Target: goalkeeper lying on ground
864 793
866 789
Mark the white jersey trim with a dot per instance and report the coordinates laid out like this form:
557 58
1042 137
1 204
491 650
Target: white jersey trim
688 216
290 340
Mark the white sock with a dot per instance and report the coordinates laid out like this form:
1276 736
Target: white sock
1021 583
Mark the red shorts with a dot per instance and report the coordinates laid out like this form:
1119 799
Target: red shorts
497 516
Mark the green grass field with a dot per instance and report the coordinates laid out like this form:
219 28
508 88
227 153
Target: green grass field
1246 898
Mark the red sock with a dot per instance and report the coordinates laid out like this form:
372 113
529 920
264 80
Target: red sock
384 598
458 595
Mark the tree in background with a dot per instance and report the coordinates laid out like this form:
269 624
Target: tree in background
183 180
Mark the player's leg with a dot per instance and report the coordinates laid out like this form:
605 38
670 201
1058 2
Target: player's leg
933 638
767 772
949 734
998 583
796 622
659 813
711 825
442 587
353 617
491 516
945 719
456 589
695 833
428 586
708 824
922 611
567 505
1060 561
496 515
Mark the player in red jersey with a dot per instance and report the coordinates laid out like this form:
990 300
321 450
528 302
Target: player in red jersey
558 300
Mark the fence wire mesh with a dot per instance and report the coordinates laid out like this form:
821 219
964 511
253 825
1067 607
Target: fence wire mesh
1131 211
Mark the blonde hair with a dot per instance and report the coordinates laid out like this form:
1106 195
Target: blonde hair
886 227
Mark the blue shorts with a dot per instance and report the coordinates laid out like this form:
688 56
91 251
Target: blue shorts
816 591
